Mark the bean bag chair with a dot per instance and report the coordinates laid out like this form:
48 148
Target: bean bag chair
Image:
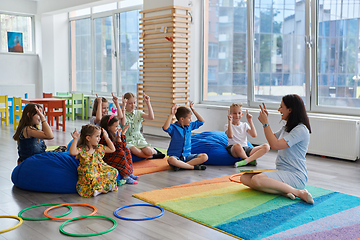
213 143
47 172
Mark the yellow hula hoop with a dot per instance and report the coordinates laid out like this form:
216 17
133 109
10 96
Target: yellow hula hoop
12 228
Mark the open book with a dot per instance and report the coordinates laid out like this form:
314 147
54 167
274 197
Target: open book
256 170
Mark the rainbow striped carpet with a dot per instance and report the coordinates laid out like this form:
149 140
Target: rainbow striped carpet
244 213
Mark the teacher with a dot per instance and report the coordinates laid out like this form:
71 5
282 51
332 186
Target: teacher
292 142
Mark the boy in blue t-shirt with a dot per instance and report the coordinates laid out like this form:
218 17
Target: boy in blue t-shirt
180 145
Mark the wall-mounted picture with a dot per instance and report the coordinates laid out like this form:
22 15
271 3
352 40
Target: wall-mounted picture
15 42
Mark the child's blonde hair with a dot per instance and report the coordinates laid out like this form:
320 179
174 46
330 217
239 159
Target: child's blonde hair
235 105
87 130
95 106
129 95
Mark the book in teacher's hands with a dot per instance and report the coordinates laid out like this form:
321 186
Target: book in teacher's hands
256 170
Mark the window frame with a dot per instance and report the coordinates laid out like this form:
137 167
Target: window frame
117 70
32 16
311 71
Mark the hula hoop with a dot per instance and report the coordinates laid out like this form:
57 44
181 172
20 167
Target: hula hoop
235 175
40 205
138 219
65 204
12 228
90 234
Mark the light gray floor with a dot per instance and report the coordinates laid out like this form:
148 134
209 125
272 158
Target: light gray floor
338 175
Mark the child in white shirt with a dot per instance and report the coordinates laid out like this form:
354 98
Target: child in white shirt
236 132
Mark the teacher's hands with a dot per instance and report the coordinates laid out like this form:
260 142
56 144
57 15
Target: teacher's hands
263 115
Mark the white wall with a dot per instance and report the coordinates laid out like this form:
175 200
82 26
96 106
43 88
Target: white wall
18 6
18 69
47 57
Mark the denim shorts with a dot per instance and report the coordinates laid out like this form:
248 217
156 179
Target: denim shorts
188 158
247 150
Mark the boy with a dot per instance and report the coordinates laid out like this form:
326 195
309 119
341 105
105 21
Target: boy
237 139
180 145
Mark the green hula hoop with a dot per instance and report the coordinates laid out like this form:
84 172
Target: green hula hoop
40 205
90 234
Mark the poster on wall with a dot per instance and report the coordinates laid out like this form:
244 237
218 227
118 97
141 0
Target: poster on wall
15 42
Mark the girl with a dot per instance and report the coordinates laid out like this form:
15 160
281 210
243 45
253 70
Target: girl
101 108
95 176
29 137
121 158
135 140
292 141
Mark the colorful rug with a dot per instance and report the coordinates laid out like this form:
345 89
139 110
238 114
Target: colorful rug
151 165
241 212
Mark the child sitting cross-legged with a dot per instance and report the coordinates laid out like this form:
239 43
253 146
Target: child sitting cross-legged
179 150
236 132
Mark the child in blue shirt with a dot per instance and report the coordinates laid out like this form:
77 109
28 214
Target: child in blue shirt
179 150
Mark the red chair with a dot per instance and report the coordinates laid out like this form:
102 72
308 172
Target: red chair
52 112
48 95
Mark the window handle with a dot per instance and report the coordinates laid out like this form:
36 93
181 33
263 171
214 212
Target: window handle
308 42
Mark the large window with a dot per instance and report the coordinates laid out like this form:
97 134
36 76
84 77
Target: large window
338 53
279 50
105 78
81 55
105 50
128 45
17 23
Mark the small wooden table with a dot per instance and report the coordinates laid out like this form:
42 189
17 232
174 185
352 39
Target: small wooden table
51 104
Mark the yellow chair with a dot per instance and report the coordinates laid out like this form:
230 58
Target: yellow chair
17 110
4 117
77 101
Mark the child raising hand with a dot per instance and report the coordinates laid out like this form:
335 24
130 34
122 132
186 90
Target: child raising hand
94 175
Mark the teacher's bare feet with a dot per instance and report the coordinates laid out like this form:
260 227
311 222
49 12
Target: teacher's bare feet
306 196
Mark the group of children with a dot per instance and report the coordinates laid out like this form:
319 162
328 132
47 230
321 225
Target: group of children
104 146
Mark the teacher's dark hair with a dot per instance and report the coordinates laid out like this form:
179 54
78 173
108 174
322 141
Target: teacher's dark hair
298 113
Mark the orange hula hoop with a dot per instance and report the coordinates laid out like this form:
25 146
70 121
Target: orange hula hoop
235 175
61 205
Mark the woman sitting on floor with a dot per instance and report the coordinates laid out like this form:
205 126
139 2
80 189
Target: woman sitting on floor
292 141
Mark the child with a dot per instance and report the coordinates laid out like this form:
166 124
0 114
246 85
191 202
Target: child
237 139
101 108
180 145
94 176
121 158
29 137
135 140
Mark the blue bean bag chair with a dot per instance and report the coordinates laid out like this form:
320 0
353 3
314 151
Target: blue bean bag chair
54 172
47 172
213 143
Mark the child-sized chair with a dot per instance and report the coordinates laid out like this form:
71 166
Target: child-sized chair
47 95
4 111
17 111
77 101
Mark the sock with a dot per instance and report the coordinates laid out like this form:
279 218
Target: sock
96 192
240 163
129 180
252 163
134 177
199 167
121 182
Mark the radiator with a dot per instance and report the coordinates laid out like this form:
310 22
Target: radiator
335 137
